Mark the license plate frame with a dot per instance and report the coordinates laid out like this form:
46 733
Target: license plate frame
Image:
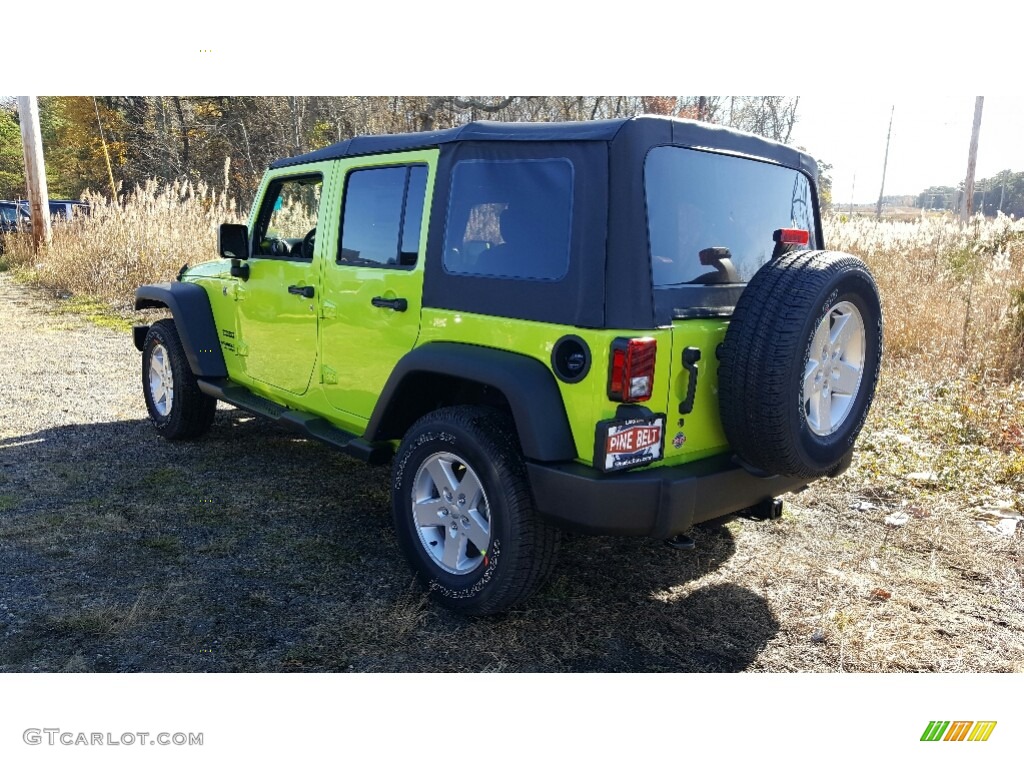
627 443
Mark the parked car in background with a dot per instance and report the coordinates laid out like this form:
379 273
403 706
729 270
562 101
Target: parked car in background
13 216
63 209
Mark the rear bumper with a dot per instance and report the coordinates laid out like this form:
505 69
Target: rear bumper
654 502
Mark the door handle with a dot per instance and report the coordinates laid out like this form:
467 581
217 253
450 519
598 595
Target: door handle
399 305
301 290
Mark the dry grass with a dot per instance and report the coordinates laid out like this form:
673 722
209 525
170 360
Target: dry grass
951 295
144 237
893 566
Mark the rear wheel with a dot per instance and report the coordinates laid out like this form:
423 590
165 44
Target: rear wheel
177 407
463 511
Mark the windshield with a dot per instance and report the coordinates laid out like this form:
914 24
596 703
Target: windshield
698 201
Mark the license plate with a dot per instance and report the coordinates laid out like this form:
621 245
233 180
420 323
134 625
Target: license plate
626 443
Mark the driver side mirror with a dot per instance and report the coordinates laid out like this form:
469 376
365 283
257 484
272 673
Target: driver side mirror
233 241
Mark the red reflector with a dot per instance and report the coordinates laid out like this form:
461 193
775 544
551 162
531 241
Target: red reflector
792 236
631 378
618 366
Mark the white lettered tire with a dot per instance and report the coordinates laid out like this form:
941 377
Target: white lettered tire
463 512
177 407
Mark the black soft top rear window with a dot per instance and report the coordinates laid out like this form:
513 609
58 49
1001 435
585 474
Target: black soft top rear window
699 200
510 219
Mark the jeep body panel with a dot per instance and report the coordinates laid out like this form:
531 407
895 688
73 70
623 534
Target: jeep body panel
276 328
193 318
370 313
527 385
586 402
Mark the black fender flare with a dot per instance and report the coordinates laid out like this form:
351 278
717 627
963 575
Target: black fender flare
527 384
193 318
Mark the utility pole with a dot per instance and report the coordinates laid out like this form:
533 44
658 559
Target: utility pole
853 189
885 165
1002 192
972 161
35 169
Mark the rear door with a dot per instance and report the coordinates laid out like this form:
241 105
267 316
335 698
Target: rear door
373 281
711 219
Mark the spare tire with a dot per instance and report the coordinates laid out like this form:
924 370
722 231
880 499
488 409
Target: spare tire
800 362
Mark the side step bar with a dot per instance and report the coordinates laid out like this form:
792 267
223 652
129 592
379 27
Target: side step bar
304 423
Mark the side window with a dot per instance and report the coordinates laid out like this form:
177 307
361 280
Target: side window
286 226
380 224
510 218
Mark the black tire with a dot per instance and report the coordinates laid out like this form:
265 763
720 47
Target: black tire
190 412
765 357
522 547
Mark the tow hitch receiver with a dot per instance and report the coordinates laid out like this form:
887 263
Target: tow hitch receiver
681 541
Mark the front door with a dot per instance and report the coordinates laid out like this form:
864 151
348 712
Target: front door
374 281
278 307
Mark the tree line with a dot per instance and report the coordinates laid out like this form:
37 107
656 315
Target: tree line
228 141
1002 192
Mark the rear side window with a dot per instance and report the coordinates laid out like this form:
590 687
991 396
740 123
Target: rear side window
382 217
702 200
510 218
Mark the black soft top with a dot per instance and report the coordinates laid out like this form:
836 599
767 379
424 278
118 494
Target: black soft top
643 129
609 238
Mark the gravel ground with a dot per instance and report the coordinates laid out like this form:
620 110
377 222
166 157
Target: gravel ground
254 550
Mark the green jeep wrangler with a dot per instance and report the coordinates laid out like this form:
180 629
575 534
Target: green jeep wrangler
616 327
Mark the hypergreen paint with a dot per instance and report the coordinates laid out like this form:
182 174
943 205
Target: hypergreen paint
586 402
360 342
332 354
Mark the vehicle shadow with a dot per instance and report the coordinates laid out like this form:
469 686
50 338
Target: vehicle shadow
255 550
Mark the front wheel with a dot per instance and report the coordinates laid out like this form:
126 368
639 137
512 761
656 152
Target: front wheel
463 511
176 406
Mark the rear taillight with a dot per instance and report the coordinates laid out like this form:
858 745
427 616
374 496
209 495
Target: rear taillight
792 236
787 240
631 377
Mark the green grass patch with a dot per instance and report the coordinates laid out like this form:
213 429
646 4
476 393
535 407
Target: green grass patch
7 502
96 312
